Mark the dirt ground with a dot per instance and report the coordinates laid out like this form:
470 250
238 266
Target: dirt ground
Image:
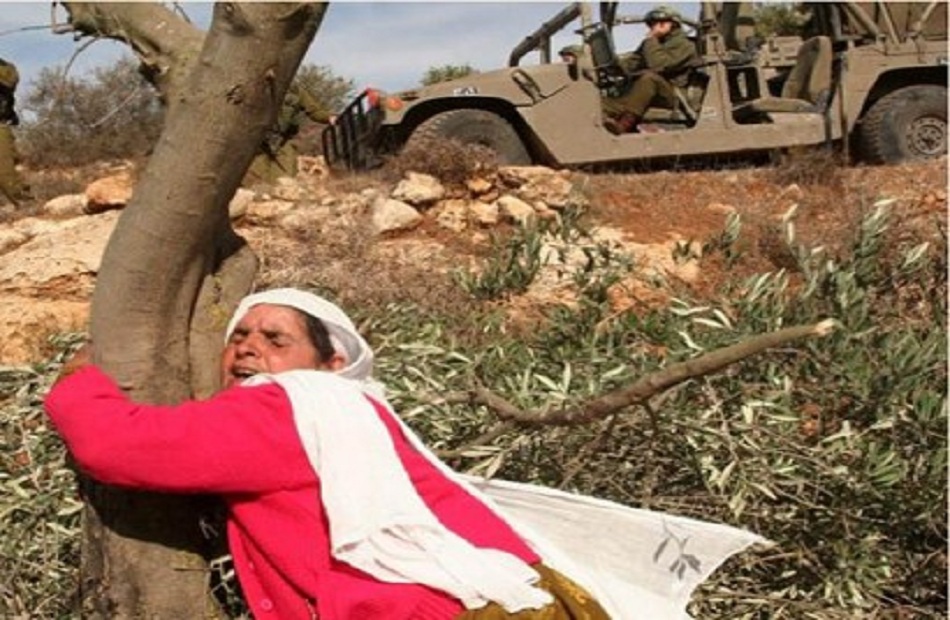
656 210
830 202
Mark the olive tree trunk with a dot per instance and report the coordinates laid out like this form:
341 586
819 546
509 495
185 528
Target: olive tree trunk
174 267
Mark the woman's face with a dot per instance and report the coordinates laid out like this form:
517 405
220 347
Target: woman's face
269 339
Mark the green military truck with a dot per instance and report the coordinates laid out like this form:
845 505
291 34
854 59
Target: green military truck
870 77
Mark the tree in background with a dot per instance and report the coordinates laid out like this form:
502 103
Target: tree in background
444 73
782 19
113 114
331 91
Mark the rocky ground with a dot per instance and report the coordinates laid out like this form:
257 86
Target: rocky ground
50 250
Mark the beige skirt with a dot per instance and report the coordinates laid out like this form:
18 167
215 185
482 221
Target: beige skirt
571 602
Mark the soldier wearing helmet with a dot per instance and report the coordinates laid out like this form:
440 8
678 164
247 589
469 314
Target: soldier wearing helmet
660 64
11 185
571 56
571 53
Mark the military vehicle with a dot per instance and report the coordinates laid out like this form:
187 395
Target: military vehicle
869 77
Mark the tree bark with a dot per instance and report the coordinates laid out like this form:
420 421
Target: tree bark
172 271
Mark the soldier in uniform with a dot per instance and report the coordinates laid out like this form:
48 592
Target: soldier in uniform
278 156
571 56
660 64
571 53
11 185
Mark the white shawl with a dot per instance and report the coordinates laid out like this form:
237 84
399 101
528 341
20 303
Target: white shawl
636 563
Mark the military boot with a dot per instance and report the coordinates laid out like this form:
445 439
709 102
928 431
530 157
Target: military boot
624 123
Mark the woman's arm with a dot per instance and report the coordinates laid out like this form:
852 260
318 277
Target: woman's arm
242 440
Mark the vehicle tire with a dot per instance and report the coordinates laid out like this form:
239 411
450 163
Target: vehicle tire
907 124
476 127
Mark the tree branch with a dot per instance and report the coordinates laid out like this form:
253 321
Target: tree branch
643 389
166 44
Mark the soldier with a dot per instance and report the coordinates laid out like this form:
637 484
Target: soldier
278 155
570 54
660 64
11 185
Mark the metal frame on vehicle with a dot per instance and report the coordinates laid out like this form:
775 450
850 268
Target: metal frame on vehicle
350 140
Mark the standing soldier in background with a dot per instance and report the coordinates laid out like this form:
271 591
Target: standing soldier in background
11 185
278 156
660 64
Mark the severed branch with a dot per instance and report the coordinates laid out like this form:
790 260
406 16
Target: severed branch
637 393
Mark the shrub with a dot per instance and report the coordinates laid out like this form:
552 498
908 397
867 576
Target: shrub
451 161
329 89
779 19
114 114
39 552
444 73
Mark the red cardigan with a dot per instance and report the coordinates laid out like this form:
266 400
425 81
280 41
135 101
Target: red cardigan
242 444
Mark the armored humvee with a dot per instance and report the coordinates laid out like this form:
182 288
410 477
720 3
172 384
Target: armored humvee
870 77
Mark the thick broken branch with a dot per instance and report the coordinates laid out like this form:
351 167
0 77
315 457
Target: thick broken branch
643 389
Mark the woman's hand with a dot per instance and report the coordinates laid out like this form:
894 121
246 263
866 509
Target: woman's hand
80 358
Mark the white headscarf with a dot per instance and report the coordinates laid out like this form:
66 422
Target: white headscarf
346 340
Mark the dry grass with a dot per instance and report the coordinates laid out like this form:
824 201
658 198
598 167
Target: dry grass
361 271
50 183
450 161
809 167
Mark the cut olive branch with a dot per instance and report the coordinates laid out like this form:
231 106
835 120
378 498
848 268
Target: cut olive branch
636 393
